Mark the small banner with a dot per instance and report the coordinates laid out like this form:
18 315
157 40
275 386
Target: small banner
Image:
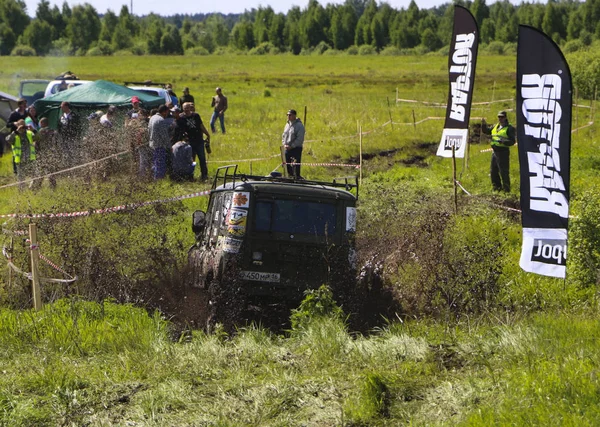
461 71
544 98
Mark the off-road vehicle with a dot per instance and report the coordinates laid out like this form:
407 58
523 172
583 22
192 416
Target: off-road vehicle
264 240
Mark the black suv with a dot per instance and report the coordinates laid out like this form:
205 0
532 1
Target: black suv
264 240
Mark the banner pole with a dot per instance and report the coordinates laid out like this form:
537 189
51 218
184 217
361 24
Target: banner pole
390 112
360 156
305 111
282 150
35 256
577 109
454 179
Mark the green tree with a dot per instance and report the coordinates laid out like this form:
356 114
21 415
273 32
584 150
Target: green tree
38 35
83 27
153 34
363 34
291 32
575 26
262 23
552 22
13 13
109 23
170 42
8 40
242 35
313 25
276 30
480 11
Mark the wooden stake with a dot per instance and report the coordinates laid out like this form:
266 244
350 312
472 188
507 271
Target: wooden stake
360 162
454 179
282 149
414 120
390 112
10 270
305 111
396 95
35 279
577 110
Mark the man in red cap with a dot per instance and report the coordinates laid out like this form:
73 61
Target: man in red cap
135 103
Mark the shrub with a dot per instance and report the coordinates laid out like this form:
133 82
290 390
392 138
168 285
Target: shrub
60 47
495 48
139 49
265 48
317 303
352 50
390 51
95 51
123 52
321 48
197 51
332 52
372 403
23 50
584 242
367 49
267 93
573 46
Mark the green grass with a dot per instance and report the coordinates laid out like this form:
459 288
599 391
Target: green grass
524 353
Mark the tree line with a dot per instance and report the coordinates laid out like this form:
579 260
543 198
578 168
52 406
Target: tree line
353 25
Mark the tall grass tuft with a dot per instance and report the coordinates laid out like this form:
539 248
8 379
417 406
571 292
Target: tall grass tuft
372 401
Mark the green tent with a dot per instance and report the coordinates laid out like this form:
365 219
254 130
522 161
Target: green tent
93 96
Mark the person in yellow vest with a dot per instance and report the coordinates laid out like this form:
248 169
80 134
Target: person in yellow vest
23 150
503 137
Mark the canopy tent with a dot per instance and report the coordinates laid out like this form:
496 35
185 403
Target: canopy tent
93 96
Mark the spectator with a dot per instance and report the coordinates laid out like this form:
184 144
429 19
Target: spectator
186 96
23 149
63 86
160 141
219 102
19 114
292 141
183 162
135 108
69 130
31 121
190 125
107 120
47 151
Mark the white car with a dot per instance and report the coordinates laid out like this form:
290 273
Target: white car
55 86
157 91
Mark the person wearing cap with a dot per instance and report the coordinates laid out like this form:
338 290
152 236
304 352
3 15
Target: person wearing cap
219 103
135 108
292 141
22 141
503 137
186 96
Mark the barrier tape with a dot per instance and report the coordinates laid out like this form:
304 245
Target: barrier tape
245 160
70 279
420 121
323 164
108 210
29 276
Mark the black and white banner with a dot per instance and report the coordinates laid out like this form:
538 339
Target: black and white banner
461 70
544 99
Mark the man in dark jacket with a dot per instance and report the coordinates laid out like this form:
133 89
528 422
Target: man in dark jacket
190 126
292 141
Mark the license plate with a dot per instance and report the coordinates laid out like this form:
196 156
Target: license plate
259 276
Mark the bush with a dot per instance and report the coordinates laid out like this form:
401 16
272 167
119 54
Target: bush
123 52
60 47
321 48
267 93
495 48
367 49
317 303
584 242
352 50
265 48
139 49
332 52
390 51
23 50
197 51
95 51
573 46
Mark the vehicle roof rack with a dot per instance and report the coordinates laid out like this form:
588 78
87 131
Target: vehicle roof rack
229 175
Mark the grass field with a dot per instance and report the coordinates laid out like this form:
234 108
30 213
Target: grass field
484 344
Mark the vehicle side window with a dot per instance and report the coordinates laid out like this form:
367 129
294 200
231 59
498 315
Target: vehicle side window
212 218
225 210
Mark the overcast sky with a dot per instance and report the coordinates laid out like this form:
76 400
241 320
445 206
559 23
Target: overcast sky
163 7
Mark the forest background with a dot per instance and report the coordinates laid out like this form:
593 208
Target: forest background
356 26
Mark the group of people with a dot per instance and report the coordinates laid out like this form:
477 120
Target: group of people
165 141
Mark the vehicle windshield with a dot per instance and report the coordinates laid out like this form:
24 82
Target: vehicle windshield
33 88
295 216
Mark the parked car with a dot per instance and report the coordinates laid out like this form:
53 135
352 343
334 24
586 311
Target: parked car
154 89
56 86
266 240
32 89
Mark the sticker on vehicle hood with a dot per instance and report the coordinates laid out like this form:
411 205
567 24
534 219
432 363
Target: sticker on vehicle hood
241 199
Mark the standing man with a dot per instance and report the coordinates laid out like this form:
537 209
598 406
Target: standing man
219 102
160 141
19 114
186 97
503 137
190 125
292 140
69 129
